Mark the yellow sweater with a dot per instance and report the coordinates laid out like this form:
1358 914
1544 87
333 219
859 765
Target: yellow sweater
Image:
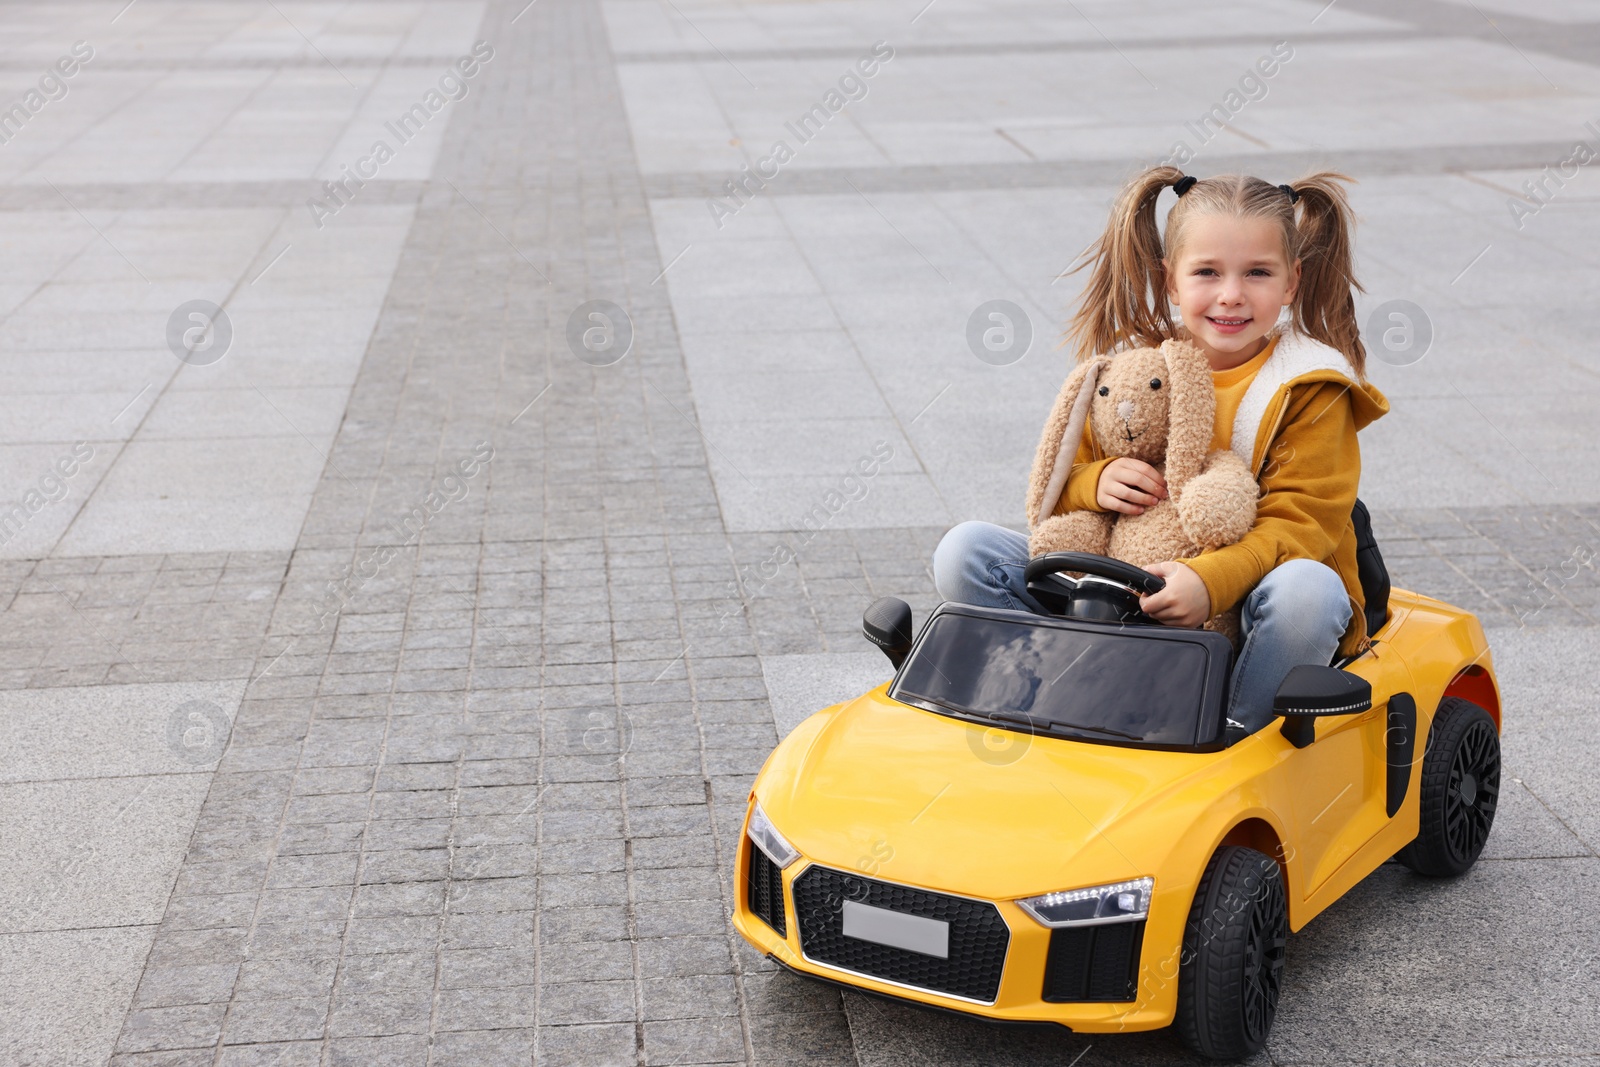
1308 463
1231 385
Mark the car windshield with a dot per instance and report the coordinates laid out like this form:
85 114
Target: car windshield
1101 684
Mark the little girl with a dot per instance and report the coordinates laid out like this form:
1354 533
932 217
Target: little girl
1236 251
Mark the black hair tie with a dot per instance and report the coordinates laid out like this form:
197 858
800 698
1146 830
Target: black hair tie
1294 197
1184 184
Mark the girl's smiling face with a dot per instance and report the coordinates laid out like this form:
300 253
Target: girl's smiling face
1229 279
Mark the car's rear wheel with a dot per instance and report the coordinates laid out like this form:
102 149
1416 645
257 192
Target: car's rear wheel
1460 790
1231 971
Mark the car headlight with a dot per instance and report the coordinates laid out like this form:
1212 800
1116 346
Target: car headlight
1118 903
768 840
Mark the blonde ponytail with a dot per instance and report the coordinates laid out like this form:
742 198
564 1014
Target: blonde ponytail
1124 302
1325 306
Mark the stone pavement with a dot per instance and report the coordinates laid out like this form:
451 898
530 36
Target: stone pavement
387 688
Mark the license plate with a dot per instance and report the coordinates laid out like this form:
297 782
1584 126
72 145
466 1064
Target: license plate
896 929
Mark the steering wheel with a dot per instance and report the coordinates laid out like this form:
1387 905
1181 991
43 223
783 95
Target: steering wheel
1108 591
1136 578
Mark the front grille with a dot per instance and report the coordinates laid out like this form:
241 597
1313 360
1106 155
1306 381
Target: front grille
1088 963
978 935
764 889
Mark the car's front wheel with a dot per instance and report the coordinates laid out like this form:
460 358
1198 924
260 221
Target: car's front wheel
1231 970
1460 790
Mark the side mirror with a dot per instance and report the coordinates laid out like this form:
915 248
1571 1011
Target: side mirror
1308 691
887 624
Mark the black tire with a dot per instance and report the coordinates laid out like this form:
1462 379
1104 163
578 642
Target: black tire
1460 790
1231 971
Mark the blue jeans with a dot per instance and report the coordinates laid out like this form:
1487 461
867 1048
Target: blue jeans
1296 614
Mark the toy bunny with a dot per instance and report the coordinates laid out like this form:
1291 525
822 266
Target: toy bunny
1157 405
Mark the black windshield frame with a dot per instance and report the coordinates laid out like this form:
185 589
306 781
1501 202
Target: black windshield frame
1208 675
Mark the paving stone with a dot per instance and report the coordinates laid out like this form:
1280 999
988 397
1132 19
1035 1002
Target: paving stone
321 903
684 917
692 996
602 1045
380 1015
405 865
270 1053
483 1047
400 898
294 940
674 956
585 961
509 1007
819 1037
572 1003
311 871
677 883
488 930
212 910
399 1050
252 1022
399 835
715 1039
391 934
185 1058
179 947
277 979
154 1029
175 986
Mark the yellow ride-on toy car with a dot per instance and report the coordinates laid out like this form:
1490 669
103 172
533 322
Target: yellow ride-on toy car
1050 819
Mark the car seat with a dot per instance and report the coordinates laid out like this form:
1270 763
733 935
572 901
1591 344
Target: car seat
1369 567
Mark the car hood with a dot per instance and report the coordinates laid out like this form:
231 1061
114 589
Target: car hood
910 796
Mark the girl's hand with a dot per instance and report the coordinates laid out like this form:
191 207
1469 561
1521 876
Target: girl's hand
1184 602
1129 486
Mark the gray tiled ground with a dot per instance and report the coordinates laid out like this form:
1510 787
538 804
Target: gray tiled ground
271 795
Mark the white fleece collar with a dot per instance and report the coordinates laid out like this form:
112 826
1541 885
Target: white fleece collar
1295 355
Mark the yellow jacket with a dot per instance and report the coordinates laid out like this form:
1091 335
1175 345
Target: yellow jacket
1296 428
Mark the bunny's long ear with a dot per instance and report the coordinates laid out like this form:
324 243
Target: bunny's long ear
1191 412
1058 445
